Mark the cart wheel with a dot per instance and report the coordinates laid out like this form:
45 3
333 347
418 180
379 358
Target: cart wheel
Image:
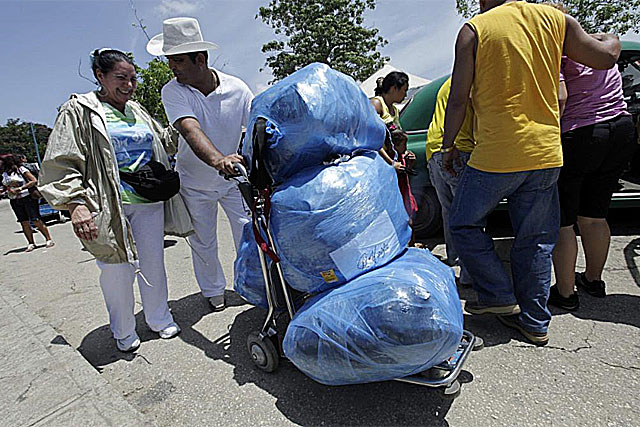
478 344
263 352
452 390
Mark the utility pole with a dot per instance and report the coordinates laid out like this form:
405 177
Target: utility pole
35 143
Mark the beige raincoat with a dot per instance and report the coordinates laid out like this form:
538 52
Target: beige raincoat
80 167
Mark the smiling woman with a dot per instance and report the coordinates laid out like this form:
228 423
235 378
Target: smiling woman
100 138
116 74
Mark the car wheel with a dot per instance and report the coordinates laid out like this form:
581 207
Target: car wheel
428 220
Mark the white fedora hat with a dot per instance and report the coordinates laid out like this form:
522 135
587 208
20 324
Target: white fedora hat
179 35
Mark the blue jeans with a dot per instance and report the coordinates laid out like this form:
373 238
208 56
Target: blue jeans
446 185
535 216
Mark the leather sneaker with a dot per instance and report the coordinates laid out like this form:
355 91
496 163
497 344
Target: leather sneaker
570 303
170 331
217 302
513 322
594 288
128 344
476 307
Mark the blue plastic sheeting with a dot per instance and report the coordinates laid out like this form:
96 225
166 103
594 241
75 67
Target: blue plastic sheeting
314 114
333 223
392 322
248 280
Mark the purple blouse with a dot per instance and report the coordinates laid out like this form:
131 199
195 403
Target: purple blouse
594 96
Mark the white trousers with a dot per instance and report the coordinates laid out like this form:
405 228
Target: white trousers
116 280
203 208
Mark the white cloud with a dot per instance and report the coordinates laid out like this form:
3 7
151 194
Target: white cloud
421 35
178 7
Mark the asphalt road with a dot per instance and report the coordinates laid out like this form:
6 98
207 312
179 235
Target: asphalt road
589 374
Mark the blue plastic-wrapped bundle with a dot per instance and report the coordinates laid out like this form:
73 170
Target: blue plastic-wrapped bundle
248 280
389 323
333 223
314 114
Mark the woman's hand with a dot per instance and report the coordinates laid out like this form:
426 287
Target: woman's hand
399 167
83 224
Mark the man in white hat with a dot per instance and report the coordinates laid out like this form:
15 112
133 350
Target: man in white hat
209 109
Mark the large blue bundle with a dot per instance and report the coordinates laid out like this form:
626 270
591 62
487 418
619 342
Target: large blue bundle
248 280
333 223
314 114
389 323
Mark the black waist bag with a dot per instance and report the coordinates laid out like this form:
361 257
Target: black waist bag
153 181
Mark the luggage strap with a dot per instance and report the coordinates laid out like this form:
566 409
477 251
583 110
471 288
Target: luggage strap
264 247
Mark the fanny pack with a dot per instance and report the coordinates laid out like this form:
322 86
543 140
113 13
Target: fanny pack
153 181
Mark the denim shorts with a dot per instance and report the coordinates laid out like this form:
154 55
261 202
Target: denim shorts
25 208
594 158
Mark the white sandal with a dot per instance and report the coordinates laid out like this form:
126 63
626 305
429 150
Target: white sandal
30 248
50 244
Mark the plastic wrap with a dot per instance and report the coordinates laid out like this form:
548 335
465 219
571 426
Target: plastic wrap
314 113
389 323
333 223
248 280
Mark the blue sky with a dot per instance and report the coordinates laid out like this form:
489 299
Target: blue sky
43 41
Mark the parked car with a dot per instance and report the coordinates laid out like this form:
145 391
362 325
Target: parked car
416 116
47 213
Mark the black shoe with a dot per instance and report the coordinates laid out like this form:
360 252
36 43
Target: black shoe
513 321
570 303
594 288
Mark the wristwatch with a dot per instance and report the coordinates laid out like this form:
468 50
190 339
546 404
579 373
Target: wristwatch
447 149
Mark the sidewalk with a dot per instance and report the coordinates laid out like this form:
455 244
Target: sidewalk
44 381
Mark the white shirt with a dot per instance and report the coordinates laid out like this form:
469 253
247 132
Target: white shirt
13 180
221 115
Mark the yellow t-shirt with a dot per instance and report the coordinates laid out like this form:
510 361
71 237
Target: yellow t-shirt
464 140
386 116
515 88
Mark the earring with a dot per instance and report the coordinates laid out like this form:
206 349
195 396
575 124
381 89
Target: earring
100 89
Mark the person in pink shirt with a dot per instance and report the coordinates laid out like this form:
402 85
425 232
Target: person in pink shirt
598 139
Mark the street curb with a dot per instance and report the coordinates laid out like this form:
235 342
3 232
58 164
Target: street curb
47 382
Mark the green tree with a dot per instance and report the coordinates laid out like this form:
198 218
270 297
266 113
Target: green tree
595 16
16 138
152 78
327 31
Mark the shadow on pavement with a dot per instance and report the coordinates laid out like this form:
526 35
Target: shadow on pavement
615 308
298 398
168 243
15 251
632 256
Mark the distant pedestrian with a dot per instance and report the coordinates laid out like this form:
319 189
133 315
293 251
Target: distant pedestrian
18 181
390 90
509 58
100 138
598 140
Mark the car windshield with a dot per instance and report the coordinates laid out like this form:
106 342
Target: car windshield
630 70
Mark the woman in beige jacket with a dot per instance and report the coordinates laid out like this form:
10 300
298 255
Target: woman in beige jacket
97 135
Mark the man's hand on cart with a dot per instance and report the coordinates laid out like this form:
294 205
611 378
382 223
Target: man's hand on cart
226 164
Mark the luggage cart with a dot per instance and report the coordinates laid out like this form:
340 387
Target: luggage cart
265 345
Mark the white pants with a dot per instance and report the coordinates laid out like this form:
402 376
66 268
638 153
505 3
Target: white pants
116 280
203 208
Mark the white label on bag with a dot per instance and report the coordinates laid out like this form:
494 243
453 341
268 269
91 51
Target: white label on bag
375 245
